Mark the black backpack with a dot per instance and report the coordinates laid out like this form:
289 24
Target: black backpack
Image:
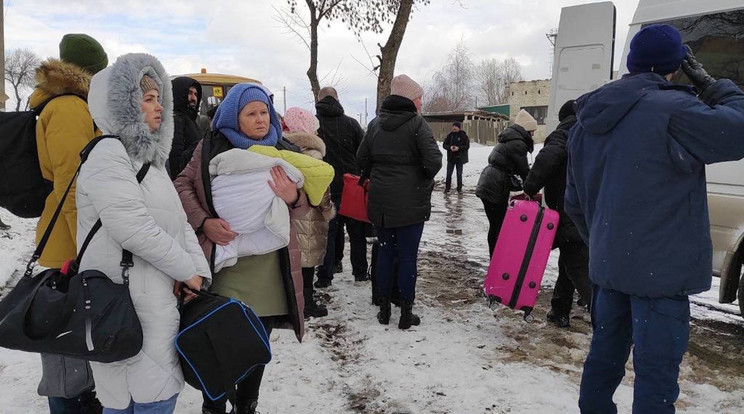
23 190
62 312
220 342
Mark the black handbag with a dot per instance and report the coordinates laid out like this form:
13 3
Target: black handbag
80 315
220 342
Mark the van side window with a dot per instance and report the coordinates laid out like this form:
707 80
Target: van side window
718 42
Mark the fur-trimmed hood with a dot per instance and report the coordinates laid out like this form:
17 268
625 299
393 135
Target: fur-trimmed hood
114 102
310 144
55 77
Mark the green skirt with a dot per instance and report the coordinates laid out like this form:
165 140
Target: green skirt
255 281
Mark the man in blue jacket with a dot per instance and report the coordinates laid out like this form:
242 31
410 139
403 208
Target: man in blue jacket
636 191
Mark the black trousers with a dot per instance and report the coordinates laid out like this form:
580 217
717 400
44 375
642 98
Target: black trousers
573 274
495 214
451 165
357 239
247 390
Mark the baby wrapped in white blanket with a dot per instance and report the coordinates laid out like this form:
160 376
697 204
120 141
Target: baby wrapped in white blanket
241 196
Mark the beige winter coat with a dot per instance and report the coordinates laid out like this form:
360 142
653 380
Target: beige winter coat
312 230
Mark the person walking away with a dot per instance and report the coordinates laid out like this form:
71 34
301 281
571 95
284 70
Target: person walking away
187 95
342 135
312 230
636 191
270 283
63 129
132 100
507 160
456 144
402 158
549 172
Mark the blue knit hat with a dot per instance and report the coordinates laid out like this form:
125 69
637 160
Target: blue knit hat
657 48
226 117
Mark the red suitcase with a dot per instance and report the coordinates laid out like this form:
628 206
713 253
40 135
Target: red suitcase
520 256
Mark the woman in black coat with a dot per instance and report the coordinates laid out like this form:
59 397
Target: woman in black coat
401 157
507 160
457 144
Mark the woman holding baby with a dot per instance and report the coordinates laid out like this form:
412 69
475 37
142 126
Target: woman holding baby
269 282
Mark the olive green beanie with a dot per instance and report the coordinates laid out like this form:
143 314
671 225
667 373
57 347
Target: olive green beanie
84 51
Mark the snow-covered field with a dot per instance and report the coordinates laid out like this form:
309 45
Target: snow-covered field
464 358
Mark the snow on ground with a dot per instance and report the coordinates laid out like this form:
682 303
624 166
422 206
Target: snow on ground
464 358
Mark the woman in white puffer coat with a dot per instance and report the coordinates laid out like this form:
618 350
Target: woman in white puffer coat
132 99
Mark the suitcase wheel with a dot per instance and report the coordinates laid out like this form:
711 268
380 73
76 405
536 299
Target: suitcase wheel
532 285
550 226
528 318
524 217
505 276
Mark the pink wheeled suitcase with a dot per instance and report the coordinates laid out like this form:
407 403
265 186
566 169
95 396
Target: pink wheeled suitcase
520 255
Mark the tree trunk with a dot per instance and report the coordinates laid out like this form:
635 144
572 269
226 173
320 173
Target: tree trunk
389 52
16 87
312 71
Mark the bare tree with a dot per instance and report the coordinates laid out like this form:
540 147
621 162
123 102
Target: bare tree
20 66
492 79
360 16
319 10
452 86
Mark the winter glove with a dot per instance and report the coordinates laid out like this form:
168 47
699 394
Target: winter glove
695 71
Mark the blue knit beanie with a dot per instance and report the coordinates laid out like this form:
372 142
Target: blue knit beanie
657 48
226 117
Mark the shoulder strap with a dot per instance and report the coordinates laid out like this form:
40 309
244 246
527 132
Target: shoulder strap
42 105
126 256
48 231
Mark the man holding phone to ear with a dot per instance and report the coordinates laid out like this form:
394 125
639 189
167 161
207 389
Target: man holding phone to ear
636 191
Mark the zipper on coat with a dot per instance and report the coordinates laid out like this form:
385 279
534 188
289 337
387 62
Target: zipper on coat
527 257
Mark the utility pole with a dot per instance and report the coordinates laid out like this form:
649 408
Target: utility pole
360 118
3 96
365 112
284 90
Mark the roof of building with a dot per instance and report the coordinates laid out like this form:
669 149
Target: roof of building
451 116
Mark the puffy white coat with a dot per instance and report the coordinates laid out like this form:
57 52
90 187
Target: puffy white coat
147 219
241 196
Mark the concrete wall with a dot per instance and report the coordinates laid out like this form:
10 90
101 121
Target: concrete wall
530 93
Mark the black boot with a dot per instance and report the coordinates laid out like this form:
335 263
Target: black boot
246 407
313 309
560 320
383 316
407 317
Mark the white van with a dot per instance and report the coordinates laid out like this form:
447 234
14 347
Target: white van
714 29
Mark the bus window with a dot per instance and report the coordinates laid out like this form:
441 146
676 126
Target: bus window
717 40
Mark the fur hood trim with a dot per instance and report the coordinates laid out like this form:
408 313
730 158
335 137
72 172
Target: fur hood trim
55 77
114 102
306 142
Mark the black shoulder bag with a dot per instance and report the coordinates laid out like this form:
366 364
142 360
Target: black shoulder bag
80 315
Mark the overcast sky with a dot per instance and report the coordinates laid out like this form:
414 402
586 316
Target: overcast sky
245 38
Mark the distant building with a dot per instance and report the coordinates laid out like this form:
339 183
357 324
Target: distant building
532 96
481 126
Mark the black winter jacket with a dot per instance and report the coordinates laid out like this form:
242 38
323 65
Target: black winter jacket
186 132
342 135
508 157
460 140
549 171
402 158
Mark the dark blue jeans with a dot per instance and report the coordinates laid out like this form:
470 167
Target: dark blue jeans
658 329
403 242
357 240
450 167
